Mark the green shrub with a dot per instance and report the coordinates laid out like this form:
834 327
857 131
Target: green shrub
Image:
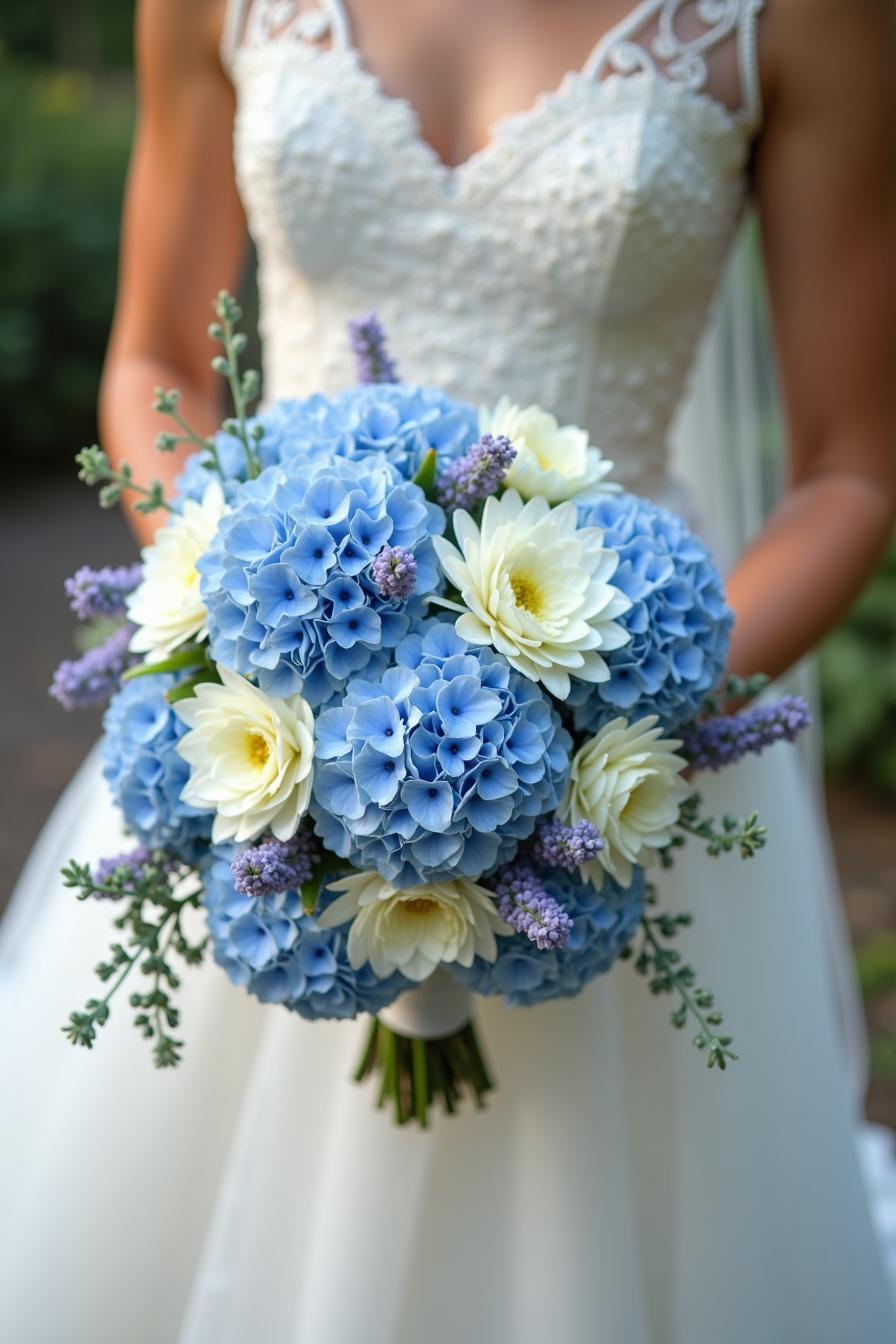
64 140
858 683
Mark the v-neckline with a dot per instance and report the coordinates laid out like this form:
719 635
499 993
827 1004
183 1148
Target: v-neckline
458 184
452 173
452 180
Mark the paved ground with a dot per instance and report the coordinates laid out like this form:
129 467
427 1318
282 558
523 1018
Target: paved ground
48 529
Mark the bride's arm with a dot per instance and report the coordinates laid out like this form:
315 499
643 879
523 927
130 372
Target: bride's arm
183 237
826 178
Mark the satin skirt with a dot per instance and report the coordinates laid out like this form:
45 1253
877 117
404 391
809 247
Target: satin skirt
613 1192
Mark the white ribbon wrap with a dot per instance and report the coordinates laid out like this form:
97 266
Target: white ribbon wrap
438 1007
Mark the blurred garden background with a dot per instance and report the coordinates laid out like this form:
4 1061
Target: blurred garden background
66 116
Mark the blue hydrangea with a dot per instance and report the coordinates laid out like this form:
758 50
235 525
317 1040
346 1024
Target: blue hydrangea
603 924
287 582
678 622
399 420
192 482
281 955
146 773
439 768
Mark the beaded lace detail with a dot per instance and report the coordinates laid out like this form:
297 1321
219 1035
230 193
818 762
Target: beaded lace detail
626 50
275 20
572 261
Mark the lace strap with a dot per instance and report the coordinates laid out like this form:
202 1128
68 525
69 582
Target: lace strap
626 49
234 22
748 64
255 23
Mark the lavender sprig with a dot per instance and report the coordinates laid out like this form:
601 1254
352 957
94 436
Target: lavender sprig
81 683
526 906
101 592
719 742
566 847
274 866
368 342
476 475
394 571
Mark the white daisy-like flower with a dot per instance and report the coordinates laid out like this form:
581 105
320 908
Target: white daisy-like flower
250 756
537 588
554 461
627 782
417 929
166 606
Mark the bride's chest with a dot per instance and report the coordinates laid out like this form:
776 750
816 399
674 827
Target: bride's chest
601 194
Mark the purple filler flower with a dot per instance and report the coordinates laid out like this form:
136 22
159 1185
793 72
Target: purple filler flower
477 474
566 847
81 683
368 342
274 866
718 742
524 904
121 872
394 570
101 592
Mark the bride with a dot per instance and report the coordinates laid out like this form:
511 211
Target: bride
564 247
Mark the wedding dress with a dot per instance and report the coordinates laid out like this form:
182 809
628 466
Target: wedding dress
614 1190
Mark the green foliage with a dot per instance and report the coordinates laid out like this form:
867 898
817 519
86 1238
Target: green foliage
876 964
89 34
883 1057
656 958
426 476
746 836
732 694
666 973
244 386
858 685
64 139
154 900
94 468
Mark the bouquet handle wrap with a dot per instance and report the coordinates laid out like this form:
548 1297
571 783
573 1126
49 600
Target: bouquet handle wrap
423 1048
438 1007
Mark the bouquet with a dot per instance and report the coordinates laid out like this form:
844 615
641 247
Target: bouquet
405 699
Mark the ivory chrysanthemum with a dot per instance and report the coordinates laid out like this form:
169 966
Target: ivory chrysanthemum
627 782
554 461
167 607
250 758
416 929
537 588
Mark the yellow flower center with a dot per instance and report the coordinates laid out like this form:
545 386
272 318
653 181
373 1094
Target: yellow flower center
527 594
420 905
540 451
258 750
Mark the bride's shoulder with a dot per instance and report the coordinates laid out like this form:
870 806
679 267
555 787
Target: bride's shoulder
826 49
179 33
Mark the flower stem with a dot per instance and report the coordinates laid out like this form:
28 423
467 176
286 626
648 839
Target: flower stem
414 1073
243 386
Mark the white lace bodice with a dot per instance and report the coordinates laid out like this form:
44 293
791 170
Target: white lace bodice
572 261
